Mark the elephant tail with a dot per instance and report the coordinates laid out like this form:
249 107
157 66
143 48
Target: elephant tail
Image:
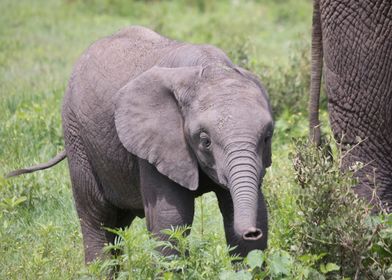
316 74
59 157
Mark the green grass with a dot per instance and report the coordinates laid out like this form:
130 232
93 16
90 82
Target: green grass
39 42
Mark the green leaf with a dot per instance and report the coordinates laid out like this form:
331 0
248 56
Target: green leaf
244 275
20 200
231 275
255 259
310 259
389 219
313 274
332 267
11 203
280 263
329 267
168 276
227 275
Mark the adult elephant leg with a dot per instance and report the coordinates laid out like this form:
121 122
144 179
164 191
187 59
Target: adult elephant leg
242 247
166 204
357 47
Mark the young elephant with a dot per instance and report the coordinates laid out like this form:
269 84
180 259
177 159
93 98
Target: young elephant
149 124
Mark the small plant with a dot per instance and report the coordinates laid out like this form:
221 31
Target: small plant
9 204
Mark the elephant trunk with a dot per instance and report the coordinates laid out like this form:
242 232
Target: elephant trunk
244 178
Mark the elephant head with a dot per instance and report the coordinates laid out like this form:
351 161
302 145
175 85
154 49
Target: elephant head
216 117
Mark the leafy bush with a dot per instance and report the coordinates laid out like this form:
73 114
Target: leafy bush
198 258
334 222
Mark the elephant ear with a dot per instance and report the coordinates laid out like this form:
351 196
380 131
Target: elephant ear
149 122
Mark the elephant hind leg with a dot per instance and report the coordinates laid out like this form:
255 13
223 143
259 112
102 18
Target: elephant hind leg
94 211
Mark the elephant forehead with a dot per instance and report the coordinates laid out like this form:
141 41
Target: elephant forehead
237 104
230 114
229 103
229 95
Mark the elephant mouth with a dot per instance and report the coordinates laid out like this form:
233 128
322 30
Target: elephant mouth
218 179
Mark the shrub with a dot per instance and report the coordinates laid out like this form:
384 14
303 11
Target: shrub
334 222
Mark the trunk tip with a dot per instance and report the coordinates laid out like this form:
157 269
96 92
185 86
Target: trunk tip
252 234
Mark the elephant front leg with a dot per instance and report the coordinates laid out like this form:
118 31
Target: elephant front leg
242 247
166 204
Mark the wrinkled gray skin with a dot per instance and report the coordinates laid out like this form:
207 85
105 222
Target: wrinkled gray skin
355 40
150 123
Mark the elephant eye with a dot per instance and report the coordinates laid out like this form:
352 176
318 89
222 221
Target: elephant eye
205 140
268 137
